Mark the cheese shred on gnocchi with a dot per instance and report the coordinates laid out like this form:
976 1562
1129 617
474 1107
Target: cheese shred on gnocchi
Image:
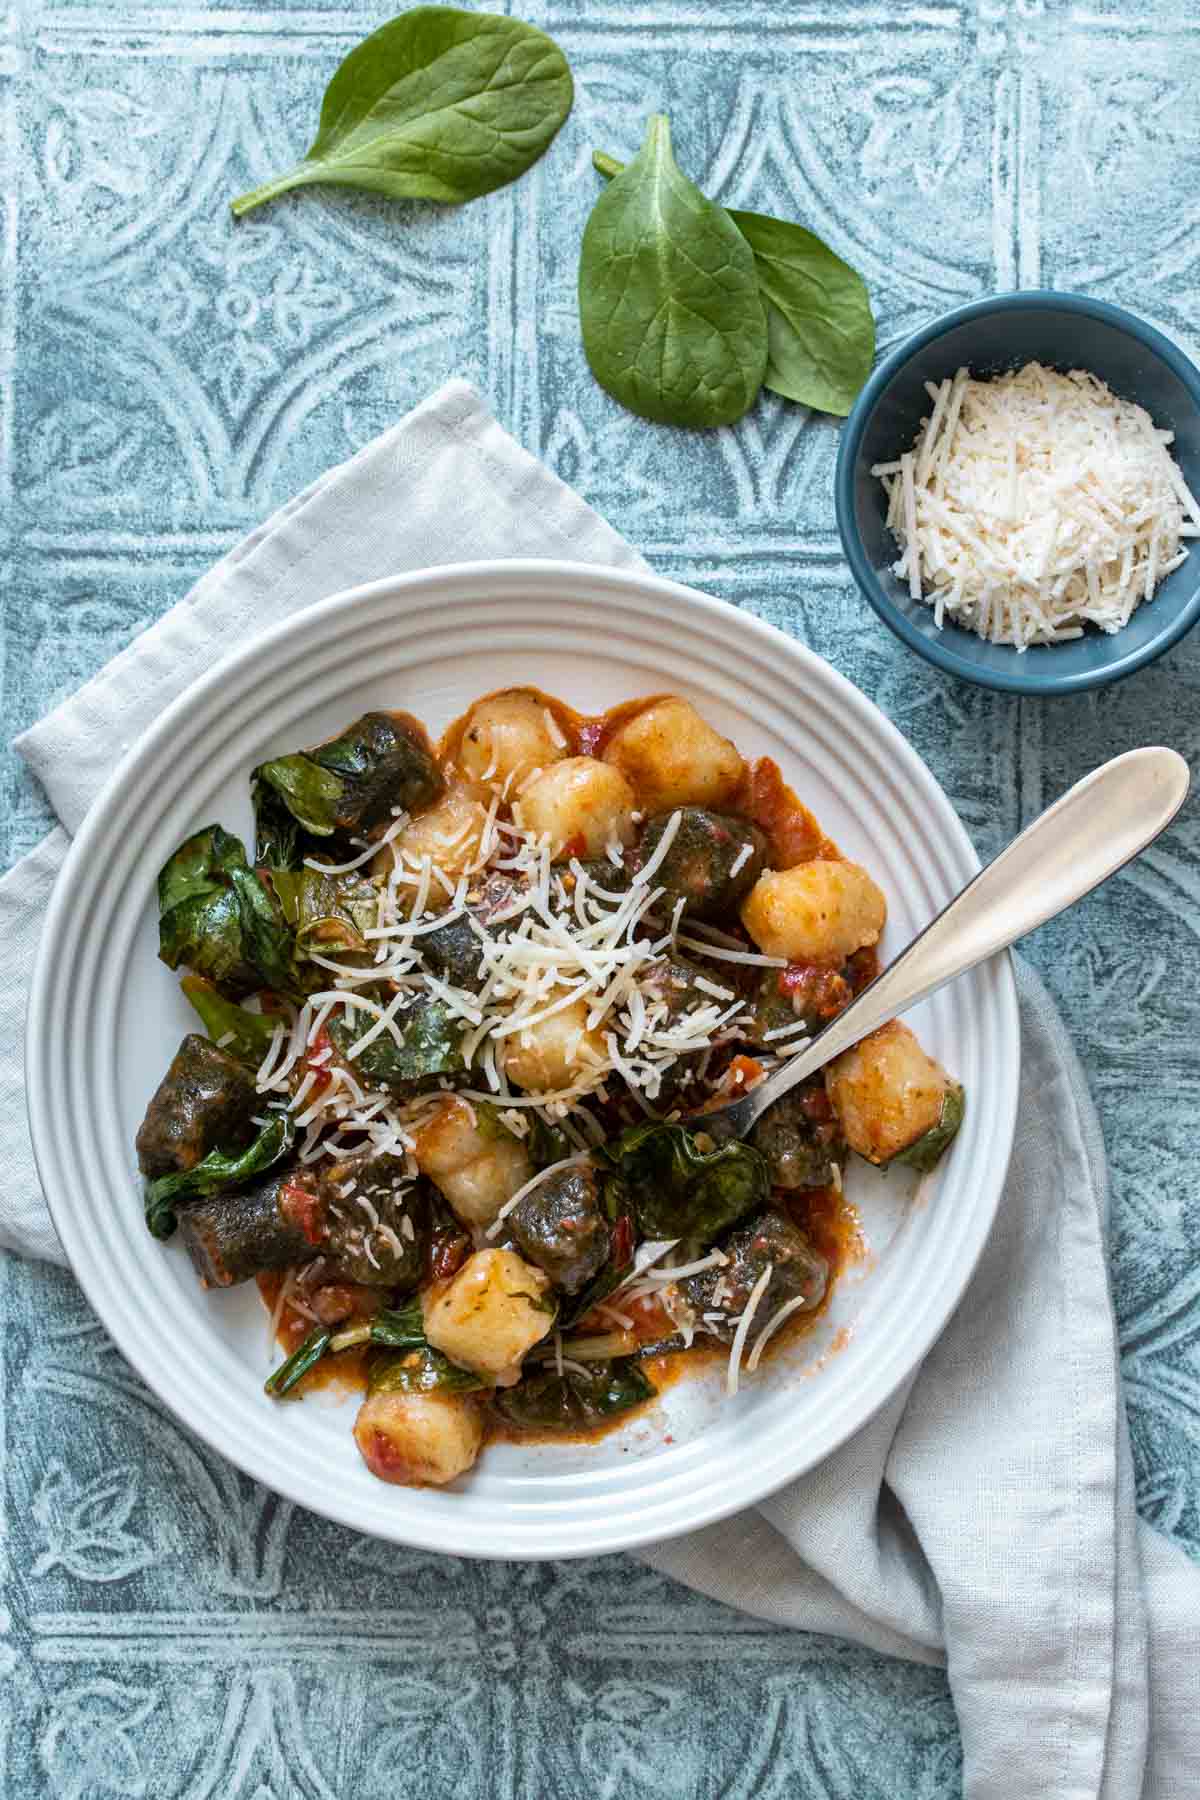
462 1008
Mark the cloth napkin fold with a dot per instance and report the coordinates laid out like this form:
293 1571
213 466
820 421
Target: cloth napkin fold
985 1517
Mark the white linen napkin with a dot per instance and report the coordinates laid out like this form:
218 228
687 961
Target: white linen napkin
985 1517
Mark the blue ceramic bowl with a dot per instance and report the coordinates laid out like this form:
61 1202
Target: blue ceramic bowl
1065 331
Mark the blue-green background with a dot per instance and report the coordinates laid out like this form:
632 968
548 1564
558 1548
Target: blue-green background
166 378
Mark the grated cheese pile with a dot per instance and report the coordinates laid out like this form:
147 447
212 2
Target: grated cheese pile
560 937
552 945
1034 504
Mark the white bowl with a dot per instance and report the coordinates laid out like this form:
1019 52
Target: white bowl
106 1016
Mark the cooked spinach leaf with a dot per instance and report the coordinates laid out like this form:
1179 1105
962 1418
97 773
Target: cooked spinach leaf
400 1327
681 1190
309 793
245 1035
216 917
330 913
930 1146
431 1044
573 1401
197 866
820 328
438 104
216 1173
346 786
423 1371
279 841
395 1328
545 1143
673 325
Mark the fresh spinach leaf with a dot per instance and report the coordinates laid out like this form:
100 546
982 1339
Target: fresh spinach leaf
216 1173
573 1400
438 104
820 328
673 325
679 1189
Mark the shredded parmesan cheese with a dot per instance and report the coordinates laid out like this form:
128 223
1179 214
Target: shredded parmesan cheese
771 1327
1035 504
281 1299
743 1328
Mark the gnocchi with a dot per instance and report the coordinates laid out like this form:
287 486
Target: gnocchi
449 834
582 805
554 1052
819 912
419 1440
507 736
670 756
491 1314
476 1165
887 1093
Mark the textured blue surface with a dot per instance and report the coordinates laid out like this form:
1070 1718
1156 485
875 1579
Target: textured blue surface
165 379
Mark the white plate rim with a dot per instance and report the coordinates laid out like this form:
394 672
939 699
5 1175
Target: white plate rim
568 580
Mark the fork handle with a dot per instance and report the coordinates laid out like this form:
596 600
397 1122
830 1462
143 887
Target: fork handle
1092 831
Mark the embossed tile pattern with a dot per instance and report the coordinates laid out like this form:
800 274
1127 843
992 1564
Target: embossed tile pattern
165 379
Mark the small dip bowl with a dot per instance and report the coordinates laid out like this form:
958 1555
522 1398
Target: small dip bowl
989 337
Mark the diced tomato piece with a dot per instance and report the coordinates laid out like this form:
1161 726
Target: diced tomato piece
301 1206
814 1104
448 1251
650 1318
743 1072
815 990
319 1072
